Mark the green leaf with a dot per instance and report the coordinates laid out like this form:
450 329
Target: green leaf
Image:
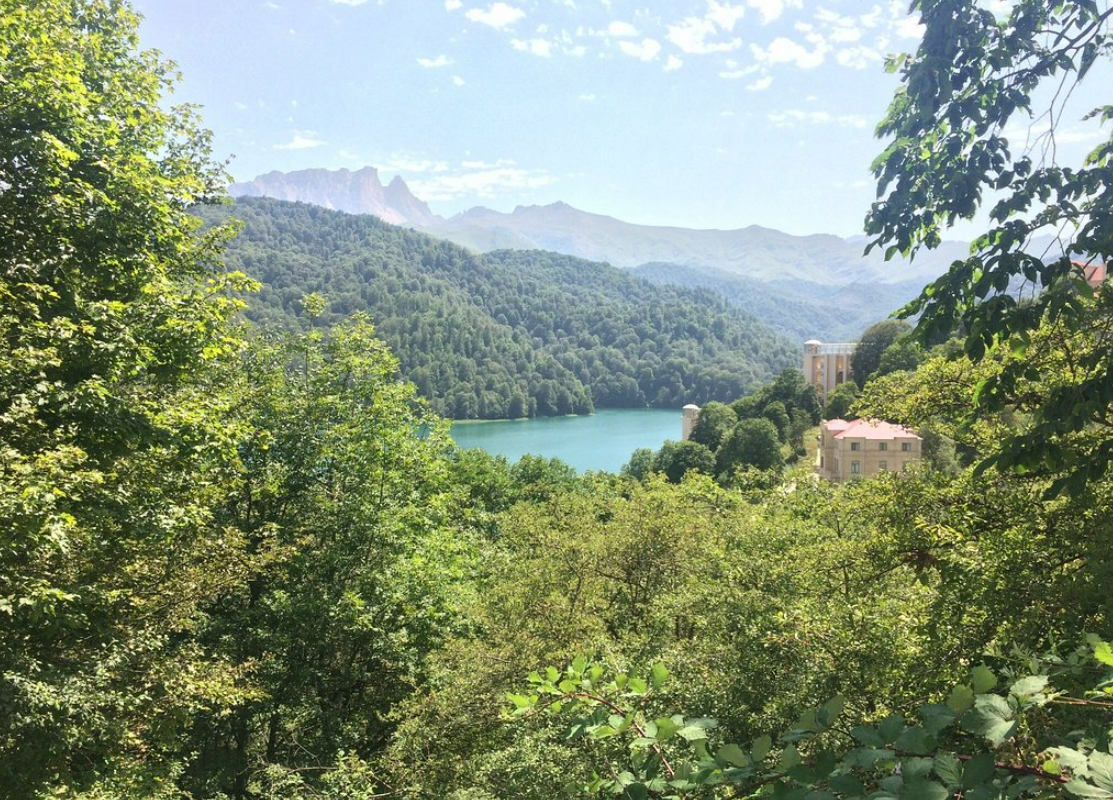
1101 769
519 700
924 790
1102 651
915 768
666 728
982 679
1026 687
992 717
936 717
916 740
868 736
831 711
636 791
1080 788
977 770
732 754
891 727
790 757
960 699
658 675
760 748
696 729
847 784
949 769
637 686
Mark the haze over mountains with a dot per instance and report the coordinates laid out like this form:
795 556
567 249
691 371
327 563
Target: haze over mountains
753 252
359 192
801 286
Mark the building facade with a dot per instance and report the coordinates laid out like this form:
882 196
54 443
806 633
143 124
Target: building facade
865 447
827 365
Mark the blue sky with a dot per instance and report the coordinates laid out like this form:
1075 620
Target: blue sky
699 113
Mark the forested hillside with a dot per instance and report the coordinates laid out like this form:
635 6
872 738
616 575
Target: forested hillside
507 334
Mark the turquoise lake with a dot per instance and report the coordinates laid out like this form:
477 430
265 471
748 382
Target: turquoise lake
604 440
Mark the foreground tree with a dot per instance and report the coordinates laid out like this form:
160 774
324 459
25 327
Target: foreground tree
975 73
752 443
872 345
113 321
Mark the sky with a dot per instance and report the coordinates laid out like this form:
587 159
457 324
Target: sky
696 113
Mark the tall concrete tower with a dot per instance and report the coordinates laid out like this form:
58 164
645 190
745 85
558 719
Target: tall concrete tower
688 421
827 365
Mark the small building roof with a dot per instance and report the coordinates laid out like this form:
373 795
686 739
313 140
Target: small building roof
813 341
873 429
691 405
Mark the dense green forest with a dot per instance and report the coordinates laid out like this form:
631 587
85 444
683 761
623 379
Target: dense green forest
506 334
247 563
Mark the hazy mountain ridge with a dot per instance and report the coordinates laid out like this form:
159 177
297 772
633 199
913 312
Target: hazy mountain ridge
753 252
799 310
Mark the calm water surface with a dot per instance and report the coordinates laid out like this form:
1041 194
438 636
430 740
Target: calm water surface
604 440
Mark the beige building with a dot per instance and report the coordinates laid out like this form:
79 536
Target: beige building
865 447
827 365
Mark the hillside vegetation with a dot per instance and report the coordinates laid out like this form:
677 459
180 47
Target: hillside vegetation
241 562
507 334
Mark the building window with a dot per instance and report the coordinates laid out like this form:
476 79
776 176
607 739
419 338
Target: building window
906 446
883 446
883 466
855 467
855 445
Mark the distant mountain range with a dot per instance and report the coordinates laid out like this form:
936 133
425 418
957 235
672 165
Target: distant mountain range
753 252
359 192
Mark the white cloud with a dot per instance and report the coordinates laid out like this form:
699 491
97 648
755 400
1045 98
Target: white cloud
770 10
786 51
691 35
858 57
538 47
910 28
458 81
621 30
760 85
433 63
404 163
452 5
647 50
497 15
845 34
673 63
794 117
725 15
734 72
480 179
241 106
588 98
301 140
350 2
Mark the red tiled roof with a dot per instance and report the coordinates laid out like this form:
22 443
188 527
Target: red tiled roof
868 429
1094 273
